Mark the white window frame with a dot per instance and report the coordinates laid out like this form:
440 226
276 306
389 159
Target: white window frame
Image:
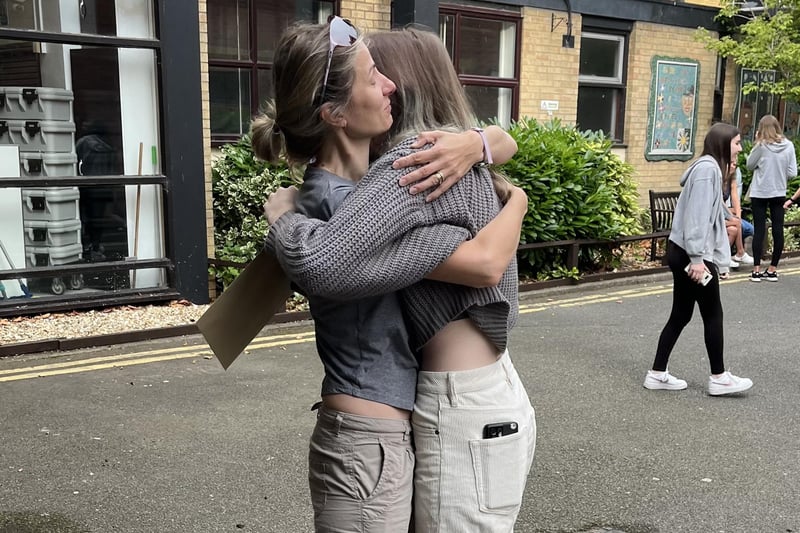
620 39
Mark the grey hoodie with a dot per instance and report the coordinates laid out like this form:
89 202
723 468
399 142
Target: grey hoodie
698 225
773 165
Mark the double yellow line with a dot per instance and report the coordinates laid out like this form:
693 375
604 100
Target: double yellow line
143 357
202 350
632 293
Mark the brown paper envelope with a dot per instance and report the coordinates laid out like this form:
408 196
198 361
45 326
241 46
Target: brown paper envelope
236 317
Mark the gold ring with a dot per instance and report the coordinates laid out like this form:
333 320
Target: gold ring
439 177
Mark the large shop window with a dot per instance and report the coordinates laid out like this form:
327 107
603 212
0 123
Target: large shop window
241 42
81 203
484 46
601 83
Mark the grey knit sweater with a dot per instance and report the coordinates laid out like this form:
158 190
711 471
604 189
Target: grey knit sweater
383 239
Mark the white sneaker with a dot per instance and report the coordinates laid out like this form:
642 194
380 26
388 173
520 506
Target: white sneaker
727 383
663 381
733 264
746 259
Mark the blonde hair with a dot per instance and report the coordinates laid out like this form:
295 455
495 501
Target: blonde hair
769 130
427 97
290 126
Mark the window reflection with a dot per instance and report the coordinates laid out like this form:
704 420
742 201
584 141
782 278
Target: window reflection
242 37
487 47
229 90
121 18
79 112
491 103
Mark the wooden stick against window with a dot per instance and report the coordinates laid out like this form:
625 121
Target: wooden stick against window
136 222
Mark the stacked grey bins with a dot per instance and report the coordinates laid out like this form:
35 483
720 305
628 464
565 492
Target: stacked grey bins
38 121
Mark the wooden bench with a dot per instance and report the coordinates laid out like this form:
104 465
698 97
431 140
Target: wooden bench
662 209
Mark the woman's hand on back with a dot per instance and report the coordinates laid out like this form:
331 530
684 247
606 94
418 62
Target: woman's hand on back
443 164
280 202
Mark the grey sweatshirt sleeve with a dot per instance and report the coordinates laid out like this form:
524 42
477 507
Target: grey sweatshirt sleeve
380 240
754 156
791 172
697 214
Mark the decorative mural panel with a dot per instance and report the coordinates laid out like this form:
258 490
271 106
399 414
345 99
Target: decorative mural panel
672 110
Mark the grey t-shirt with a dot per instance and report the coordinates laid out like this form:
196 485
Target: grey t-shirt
363 344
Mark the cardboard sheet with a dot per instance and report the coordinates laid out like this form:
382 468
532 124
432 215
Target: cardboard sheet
236 317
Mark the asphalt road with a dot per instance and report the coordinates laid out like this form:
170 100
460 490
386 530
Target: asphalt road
156 437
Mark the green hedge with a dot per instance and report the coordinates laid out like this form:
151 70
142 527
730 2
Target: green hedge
240 184
577 189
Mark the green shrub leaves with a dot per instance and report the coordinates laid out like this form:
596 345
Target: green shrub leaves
577 189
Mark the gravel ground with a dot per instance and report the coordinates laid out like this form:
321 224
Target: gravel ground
77 324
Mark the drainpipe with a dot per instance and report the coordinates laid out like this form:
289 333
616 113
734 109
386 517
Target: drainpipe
568 40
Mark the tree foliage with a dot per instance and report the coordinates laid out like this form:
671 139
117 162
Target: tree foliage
767 39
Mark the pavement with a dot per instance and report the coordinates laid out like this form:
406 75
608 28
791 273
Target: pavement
156 437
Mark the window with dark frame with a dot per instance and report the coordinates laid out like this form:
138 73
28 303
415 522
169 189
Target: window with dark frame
241 42
484 45
71 237
601 82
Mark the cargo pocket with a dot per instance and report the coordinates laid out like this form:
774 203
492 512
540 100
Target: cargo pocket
500 472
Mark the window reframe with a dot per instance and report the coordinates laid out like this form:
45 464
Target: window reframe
252 64
620 33
458 12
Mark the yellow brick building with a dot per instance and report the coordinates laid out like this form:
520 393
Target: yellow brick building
549 71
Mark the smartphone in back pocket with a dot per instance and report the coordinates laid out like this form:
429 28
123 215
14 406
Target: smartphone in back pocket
492 431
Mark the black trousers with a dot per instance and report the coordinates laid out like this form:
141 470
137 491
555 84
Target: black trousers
685 293
776 213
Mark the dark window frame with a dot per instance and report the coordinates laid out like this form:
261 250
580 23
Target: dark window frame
459 11
176 41
614 30
253 64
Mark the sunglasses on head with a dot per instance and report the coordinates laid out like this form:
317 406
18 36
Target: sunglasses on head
342 33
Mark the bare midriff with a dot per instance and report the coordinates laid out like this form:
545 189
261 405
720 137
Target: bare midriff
359 406
460 345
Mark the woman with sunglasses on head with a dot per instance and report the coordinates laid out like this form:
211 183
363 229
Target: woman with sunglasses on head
474 427
361 456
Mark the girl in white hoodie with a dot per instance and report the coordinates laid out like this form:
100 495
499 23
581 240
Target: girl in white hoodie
773 163
697 251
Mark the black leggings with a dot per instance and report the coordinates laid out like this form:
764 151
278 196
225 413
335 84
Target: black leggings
685 293
776 212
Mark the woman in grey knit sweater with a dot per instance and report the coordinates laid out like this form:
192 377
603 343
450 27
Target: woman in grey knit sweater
474 427
360 458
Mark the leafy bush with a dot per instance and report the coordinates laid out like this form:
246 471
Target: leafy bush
577 189
791 233
240 184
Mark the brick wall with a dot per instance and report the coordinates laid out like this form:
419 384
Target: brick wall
368 15
547 70
730 91
648 40
206 134
550 72
707 3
